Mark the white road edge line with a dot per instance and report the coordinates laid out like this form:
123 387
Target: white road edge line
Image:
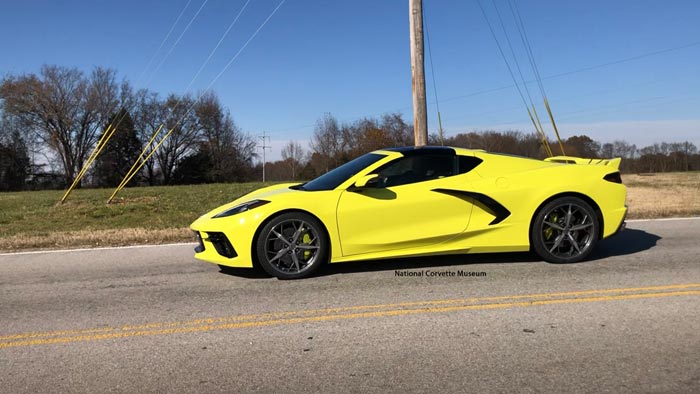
194 243
662 219
96 249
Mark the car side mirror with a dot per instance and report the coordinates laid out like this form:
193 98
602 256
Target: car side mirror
371 180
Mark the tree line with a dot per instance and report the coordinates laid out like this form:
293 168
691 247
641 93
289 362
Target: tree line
334 143
52 120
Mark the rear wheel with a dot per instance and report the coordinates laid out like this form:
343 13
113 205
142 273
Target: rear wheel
291 246
565 230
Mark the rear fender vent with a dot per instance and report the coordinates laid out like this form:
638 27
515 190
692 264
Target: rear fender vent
613 177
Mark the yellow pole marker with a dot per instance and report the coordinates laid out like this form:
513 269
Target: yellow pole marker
99 147
551 117
547 148
134 172
143 151
151 153
93 155
128 173
540 133
440 126
79 176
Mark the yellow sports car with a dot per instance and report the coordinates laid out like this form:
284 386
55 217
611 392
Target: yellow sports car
419 201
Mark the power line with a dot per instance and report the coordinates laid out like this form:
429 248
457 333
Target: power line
223 37
432 72
192 106
547 77
162 43
245 45
177 41
545 143
114 125
528 49
540 132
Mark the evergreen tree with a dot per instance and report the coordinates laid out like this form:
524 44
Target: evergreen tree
192 169
121 151
14 162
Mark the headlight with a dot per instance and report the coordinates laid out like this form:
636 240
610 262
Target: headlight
246 206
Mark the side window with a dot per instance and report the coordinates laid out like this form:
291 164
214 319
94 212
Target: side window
468 163
423 168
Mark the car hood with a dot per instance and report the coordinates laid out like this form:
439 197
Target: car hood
266 193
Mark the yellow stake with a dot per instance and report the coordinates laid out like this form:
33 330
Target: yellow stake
544 136
540 133
143 151
93 155
133 171
440 126
551 117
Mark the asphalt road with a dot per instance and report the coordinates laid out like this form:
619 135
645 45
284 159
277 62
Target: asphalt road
153 319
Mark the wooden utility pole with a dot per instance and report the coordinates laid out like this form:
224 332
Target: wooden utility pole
420 111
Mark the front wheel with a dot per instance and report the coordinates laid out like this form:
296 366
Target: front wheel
291 246
565 230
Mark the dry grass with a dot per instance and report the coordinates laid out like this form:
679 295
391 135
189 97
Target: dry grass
663 195
94 238
155 215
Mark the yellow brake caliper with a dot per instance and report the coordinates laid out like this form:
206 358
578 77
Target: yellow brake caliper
306 239
549 232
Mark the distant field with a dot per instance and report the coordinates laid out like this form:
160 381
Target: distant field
144 215
663 195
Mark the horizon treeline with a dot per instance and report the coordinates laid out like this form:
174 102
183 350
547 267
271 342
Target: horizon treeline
51 121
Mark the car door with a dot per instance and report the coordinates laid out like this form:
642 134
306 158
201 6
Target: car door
406 208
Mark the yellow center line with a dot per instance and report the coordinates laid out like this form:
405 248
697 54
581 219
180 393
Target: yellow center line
307 312
338 316
412 303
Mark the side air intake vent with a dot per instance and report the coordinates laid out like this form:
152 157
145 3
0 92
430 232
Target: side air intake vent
222 245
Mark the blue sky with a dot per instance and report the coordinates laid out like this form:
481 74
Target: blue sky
623 69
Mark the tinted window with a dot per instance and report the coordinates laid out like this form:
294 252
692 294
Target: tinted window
468 163
422 168
335 177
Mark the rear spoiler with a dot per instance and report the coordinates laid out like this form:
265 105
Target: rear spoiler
615 163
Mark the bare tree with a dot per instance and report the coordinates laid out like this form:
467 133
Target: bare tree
184 135
64 109
293 155
231 151
327 140
400 133
583 146
150 113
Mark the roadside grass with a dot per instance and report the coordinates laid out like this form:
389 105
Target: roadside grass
32 220
152 215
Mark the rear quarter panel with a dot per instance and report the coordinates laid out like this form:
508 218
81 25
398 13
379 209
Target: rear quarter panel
524 185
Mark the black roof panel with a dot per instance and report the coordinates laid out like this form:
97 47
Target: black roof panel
423 150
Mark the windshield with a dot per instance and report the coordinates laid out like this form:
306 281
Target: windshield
337 176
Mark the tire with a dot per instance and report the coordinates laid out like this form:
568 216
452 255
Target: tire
292 246
565 230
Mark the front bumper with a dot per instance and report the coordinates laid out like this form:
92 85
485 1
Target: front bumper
226 241
216 247
218 240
